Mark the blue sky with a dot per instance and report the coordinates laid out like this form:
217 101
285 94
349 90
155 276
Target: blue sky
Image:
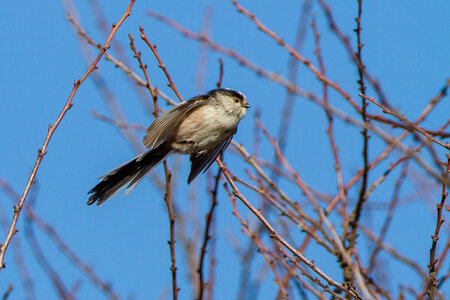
406 48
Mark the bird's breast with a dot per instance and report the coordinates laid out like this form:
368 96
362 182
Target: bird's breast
204 128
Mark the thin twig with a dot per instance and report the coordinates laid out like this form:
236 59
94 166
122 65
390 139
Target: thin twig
7 292
392 251
357 211
403 119
102 24
203 51
387 221
262 248
160 63
212 268
172 241
137 55
432 281
311 278
330 130
219 82
347 45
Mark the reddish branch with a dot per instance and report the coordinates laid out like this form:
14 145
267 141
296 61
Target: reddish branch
356 214
392 206
137 55
8 292
394 253
171 242
330 130
211 269
120 50
203 51
444 253
299 215
160 63
295 263
409 124
51 129
347 45
268 255
285 211
219 82
432 283
128 71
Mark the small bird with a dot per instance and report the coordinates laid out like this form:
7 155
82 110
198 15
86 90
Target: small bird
201 127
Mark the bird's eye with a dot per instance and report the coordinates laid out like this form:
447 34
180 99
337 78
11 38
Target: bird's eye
236 100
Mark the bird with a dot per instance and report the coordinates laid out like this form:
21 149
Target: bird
201 127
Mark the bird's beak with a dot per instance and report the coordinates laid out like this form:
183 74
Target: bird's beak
247 105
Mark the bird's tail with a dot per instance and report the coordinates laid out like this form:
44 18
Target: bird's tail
131 172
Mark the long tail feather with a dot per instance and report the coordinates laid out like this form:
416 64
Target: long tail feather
132 171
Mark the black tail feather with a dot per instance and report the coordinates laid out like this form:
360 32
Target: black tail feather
132 171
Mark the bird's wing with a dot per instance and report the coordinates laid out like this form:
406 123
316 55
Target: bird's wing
167 124
204 161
